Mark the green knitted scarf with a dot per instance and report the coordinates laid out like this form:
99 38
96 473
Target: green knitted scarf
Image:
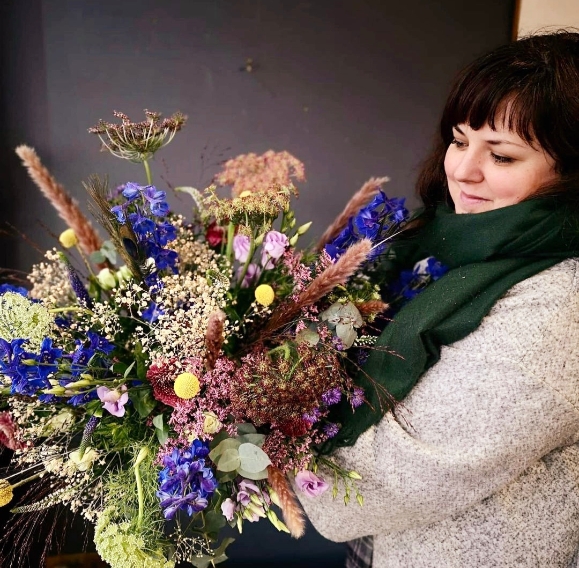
486 253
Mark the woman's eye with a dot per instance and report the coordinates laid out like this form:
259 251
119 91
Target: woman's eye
458 143
501 159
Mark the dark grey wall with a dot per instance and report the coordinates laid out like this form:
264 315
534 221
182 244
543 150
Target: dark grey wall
353 88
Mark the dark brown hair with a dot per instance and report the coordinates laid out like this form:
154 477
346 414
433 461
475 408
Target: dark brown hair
533 85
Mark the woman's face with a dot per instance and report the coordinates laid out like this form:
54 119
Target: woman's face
487 169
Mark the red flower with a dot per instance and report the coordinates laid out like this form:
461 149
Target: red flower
214 235
8 432
161 375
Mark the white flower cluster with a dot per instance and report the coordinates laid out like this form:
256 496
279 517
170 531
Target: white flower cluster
50 282
187 301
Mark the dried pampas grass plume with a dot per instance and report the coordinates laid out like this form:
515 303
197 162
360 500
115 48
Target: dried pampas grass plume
358 200
293 515
65 205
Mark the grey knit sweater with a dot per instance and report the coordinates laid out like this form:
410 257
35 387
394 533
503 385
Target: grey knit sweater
481 468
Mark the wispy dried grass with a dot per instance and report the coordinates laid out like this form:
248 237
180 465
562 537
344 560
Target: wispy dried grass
65 205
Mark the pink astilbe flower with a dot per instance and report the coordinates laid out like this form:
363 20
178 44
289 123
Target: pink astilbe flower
8 436
250 172
114 400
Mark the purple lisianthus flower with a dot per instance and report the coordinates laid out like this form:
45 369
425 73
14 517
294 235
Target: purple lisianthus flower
332 396
228 509
274 246
253 272
310 484
114 400
241 245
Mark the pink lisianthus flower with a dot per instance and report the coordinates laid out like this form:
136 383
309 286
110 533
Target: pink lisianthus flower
114 400
310 484
228 509
241 247
273 248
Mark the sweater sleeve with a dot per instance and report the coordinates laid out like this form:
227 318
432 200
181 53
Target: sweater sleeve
495 403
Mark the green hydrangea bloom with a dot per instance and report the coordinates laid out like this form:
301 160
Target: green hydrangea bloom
22 318
118 545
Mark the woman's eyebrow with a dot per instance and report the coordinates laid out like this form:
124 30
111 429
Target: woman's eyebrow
492 142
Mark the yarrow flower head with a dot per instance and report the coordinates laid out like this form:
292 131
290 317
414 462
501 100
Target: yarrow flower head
138 141
21 318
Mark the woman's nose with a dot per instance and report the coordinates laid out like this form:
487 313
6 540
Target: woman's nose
468 168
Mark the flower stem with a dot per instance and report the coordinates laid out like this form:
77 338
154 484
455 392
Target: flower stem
230 235
142 455
148 172
69 309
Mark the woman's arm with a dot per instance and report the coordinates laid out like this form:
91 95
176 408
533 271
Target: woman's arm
497 402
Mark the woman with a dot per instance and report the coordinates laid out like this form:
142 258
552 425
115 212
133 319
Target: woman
479 466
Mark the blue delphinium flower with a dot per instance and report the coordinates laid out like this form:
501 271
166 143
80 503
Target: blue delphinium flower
186 483
376 221
28 372
144 202
411 282
16 289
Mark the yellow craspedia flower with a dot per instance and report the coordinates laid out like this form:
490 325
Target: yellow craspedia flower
187 386
68 238
264 294
245 193
6 492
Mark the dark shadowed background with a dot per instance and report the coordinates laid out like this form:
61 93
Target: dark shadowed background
352 88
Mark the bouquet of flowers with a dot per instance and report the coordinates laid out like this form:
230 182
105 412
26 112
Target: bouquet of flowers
164 382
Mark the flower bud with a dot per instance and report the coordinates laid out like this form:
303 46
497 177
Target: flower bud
293 241
124 273
304 228
354 475
259 239
68 238
106 278
58 391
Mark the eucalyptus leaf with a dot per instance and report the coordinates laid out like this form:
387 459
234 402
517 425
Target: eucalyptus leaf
245 428
347 334
257 439
253 458
228 443
229 460
308 336
97 257
214 521
254 476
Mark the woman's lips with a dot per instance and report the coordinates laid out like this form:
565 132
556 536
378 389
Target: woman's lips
468 199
